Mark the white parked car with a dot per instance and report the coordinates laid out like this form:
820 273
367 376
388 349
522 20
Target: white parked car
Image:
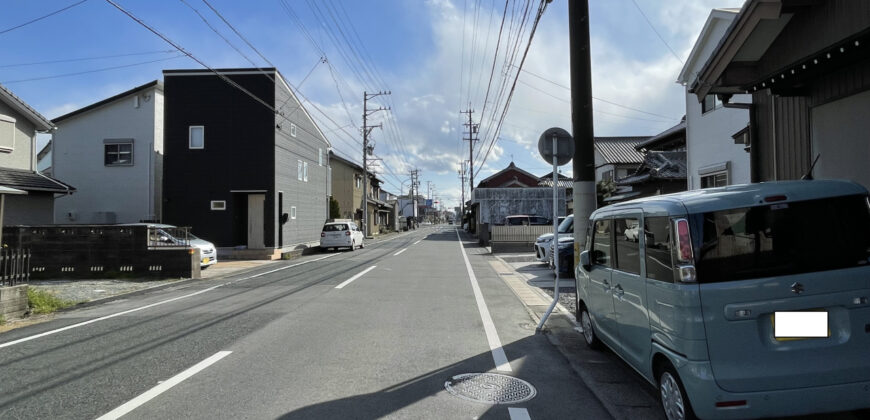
341 233
168 235
542 244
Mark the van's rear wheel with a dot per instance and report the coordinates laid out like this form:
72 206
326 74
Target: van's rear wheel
352 246
675 402
588 330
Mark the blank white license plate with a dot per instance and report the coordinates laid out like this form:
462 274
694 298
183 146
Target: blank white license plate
800 324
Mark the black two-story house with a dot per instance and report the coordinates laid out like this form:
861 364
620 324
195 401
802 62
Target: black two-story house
245 165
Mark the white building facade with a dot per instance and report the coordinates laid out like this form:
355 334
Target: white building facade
113 149
715 158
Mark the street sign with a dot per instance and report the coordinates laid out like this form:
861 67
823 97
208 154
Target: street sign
564 142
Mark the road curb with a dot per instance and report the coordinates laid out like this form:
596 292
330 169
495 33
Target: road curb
562 331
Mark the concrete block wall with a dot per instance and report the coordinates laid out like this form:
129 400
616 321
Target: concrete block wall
13 301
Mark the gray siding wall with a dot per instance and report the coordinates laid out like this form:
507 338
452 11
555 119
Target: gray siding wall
310 198
128 192
22 156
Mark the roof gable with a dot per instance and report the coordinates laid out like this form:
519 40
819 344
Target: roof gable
512 176
16 103
154 83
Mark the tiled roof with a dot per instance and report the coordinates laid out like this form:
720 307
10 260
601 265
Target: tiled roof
672 133
620 149
31 181
659 165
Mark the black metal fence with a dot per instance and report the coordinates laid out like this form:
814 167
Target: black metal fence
101 251
14 266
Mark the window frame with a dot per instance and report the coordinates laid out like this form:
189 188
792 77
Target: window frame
293 212
299 169
305 171
292 130
12 124
592 258
190 137
707 108
118 143
319 156
615 264
668 224
715 176
219 205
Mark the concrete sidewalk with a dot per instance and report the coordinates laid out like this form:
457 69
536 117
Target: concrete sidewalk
624 393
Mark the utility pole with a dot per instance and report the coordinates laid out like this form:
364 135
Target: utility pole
472 130
415 176
367 150
462 180
581 120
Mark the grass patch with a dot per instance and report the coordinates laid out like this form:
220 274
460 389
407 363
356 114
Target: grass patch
42 302
2 320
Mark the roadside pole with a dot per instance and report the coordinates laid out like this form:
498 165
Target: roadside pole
581 121
560 150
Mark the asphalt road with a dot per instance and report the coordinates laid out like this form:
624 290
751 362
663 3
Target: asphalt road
286 342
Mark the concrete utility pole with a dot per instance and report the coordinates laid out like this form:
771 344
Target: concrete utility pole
472 130
415 183
366 130
462 179
581 121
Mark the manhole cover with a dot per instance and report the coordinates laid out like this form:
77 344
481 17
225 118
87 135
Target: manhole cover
490 388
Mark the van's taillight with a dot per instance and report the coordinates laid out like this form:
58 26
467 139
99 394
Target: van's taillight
684 241
347 233
685 270
322 234
775 198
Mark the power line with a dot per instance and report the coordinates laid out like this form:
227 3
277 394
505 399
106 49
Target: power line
596 98
657 32
91 71
541 8
41 17
71 60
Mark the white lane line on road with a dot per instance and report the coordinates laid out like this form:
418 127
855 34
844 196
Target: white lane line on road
163 387
346 282
518 413
415 243
103 318
498 356
397 254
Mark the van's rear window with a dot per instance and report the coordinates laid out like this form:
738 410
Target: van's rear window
334 228
782 239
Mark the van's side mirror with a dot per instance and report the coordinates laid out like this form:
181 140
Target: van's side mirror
584 261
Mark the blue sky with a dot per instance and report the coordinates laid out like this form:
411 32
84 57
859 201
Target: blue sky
434 55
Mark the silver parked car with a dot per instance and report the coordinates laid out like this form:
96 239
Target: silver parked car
737 302
544 242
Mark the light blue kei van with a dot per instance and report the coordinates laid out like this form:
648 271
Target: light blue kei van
687 289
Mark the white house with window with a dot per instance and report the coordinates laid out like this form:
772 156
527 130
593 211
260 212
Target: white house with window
113 150
716 137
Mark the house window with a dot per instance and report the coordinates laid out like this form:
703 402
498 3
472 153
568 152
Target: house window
7 133
710 103
218 205
293 212
197 137
299 170
717 179
118 153
305 171
358 182
319 156
293 129
607 176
